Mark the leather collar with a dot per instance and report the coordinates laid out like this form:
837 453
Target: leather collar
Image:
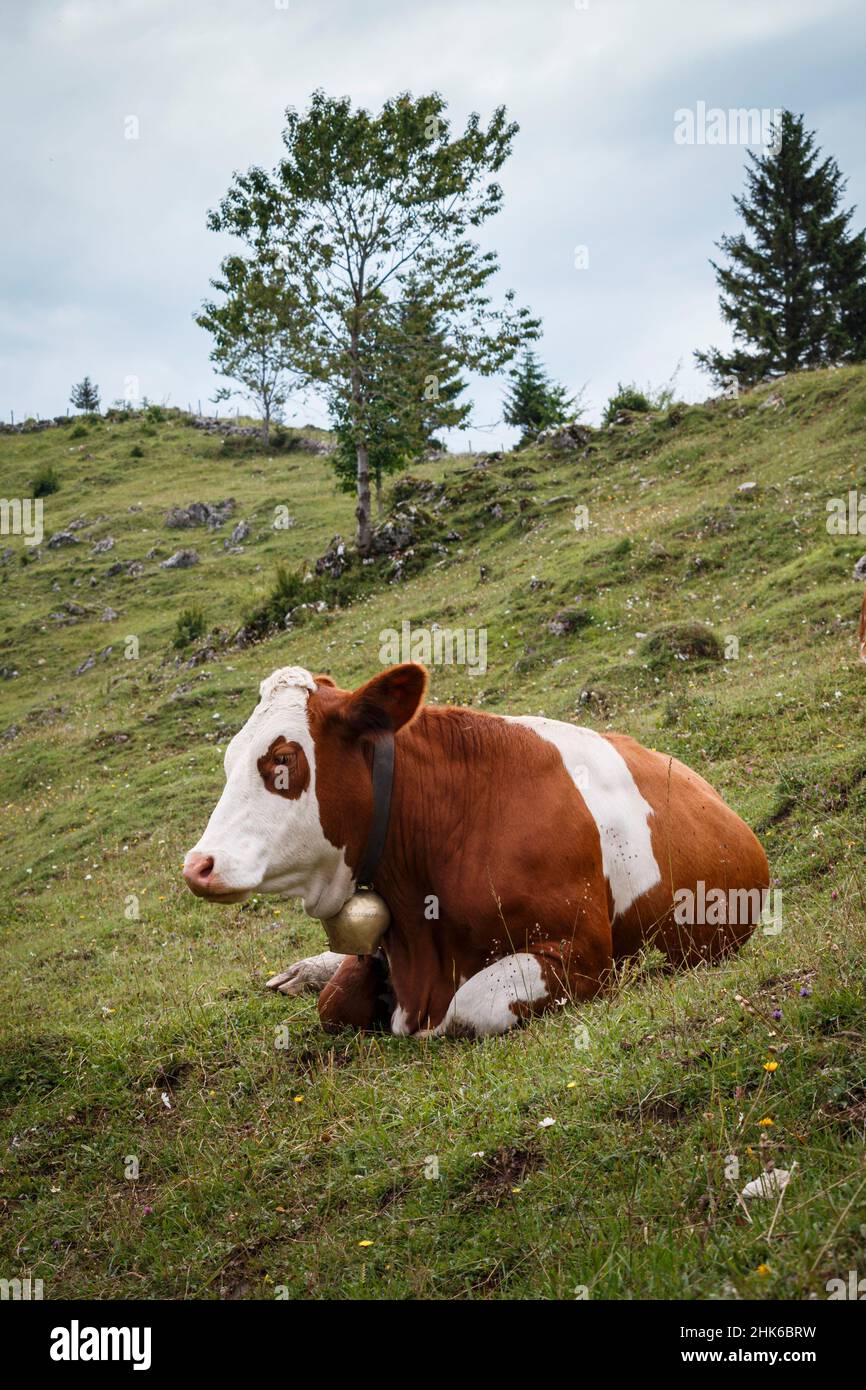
383 781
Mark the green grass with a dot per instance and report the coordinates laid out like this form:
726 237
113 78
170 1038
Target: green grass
281 1149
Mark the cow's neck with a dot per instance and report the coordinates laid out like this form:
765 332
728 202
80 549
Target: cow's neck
441 781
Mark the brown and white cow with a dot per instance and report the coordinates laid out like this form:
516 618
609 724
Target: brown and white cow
860 573
523 857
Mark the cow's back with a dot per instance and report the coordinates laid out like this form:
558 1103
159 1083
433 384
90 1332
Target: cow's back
665 833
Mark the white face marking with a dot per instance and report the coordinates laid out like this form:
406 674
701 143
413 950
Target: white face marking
483 1005
273 844
603 778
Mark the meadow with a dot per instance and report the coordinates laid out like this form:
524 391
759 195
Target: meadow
171 1130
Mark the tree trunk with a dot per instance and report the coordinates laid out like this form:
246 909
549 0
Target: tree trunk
379 503
364 532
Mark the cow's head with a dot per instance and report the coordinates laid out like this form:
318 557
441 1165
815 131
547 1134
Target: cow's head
297 804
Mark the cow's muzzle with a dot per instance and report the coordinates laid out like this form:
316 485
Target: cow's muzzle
201 879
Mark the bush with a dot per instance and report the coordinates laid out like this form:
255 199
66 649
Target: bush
289 590
78 432
681 642
190 625
625 398
136 452
46 480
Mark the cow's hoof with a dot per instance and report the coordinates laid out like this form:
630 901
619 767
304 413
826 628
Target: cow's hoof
312 974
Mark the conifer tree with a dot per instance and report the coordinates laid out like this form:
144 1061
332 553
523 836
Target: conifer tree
85 396
794 290
534 401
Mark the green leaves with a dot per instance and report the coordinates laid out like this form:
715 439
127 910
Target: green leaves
360 205
258 330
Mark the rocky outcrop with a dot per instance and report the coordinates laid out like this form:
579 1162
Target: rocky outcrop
211 514
565 438
180 560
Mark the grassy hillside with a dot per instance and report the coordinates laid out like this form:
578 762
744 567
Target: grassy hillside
274 1159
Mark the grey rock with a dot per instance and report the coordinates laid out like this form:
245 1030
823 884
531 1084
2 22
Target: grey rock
298 613
565 438
212 514
62 538
568 620
396 533
92 660
180 560
336 559
102 547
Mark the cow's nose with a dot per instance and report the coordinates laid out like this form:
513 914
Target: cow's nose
197 871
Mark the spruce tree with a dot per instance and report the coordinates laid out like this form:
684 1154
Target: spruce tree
85 396
795 287
534 401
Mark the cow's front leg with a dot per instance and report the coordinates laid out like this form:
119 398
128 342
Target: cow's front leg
312 974
516 988
359 995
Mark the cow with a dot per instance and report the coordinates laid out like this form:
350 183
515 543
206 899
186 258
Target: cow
522 857
860 574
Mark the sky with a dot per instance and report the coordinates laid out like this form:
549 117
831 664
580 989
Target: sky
609 218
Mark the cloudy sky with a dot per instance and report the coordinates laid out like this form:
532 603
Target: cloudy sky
106 254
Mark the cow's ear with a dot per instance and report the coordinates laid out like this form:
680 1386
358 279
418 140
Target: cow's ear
388 701
325 680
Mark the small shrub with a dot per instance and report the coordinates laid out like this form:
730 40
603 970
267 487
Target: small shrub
190 625
681 642
288 591
78 432
155 414
627 397
46 480
136 452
